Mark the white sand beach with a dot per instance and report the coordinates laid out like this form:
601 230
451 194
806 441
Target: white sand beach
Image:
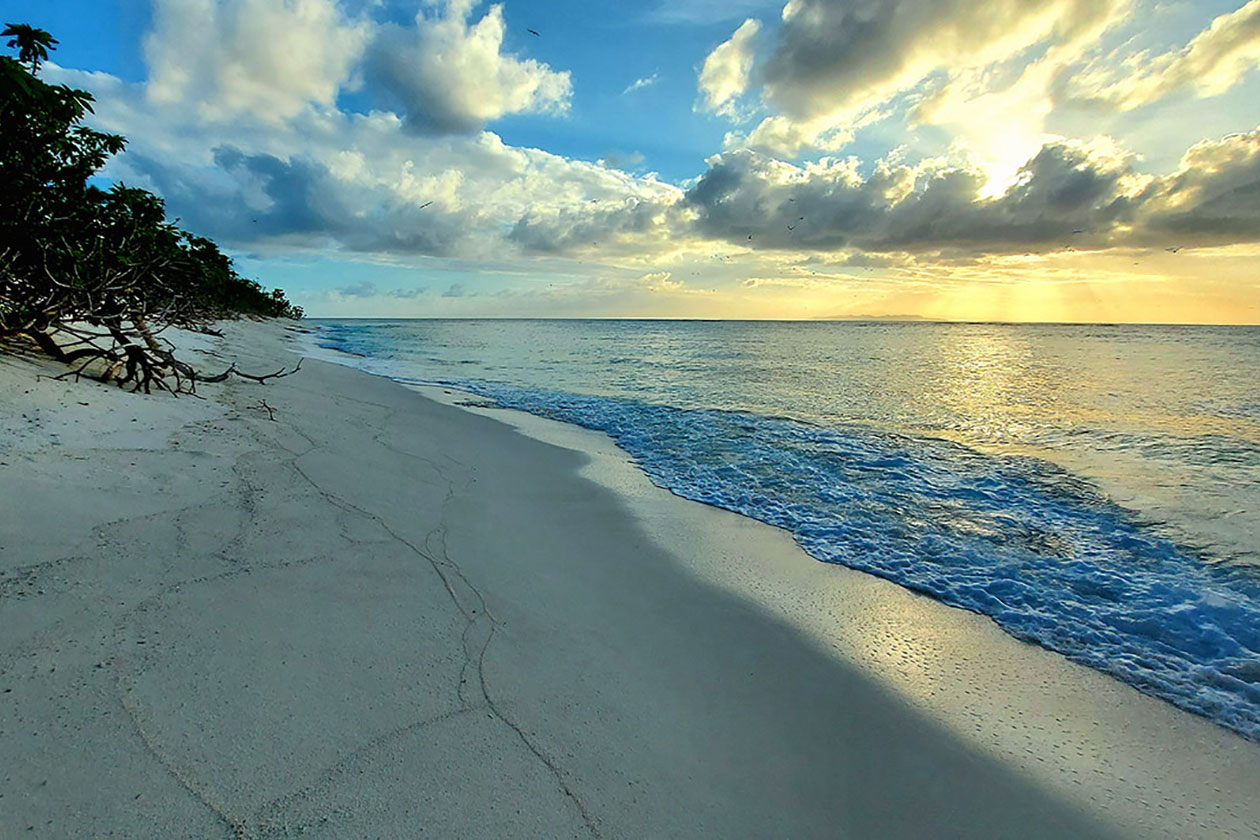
379 615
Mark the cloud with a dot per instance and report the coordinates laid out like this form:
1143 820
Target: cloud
724 75
299 202
359 290
1212 199
451 76
779 135
640 84
628 224
455 290
659 281
997 113
1214 61
1069 195
705 11
837 65
846 55
258 58
623 160
346 182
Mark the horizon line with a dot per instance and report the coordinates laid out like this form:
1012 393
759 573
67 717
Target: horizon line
824 320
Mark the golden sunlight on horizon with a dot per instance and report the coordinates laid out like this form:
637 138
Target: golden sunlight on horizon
1160 288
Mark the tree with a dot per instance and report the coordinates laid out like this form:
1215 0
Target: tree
91 276
32 44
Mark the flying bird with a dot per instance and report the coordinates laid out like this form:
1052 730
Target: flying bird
750 237
791 227
1174 250
426 204
533 32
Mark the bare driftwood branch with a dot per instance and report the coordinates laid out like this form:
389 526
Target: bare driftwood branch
133 356
280 374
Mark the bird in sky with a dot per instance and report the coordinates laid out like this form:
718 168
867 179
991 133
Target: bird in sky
426 204
791 227
1174 250
533 32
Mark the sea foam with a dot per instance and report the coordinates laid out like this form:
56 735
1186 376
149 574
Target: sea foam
1043 553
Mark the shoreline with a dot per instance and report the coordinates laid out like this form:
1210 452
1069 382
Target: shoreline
1022 703
380 613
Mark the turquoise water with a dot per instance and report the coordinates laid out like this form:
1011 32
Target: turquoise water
1093 489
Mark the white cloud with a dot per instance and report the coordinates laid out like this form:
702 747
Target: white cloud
1214 61
640 84
453 76
724 75
705 11
997 113
659 281
360 184
260 58
843 56
356 183
780 135
838 65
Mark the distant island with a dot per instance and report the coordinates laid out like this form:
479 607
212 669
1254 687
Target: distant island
879 318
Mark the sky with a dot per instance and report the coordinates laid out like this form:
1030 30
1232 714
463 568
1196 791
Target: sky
1064 160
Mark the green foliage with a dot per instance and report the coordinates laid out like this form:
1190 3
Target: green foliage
71 252
32 44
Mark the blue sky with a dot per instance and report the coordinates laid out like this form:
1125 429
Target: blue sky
1067 160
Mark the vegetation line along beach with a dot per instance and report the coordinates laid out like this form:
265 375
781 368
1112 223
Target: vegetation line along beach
92 276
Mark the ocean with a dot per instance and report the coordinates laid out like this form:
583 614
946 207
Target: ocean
1094 489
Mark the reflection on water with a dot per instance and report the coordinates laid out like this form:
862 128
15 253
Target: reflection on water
1166 419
